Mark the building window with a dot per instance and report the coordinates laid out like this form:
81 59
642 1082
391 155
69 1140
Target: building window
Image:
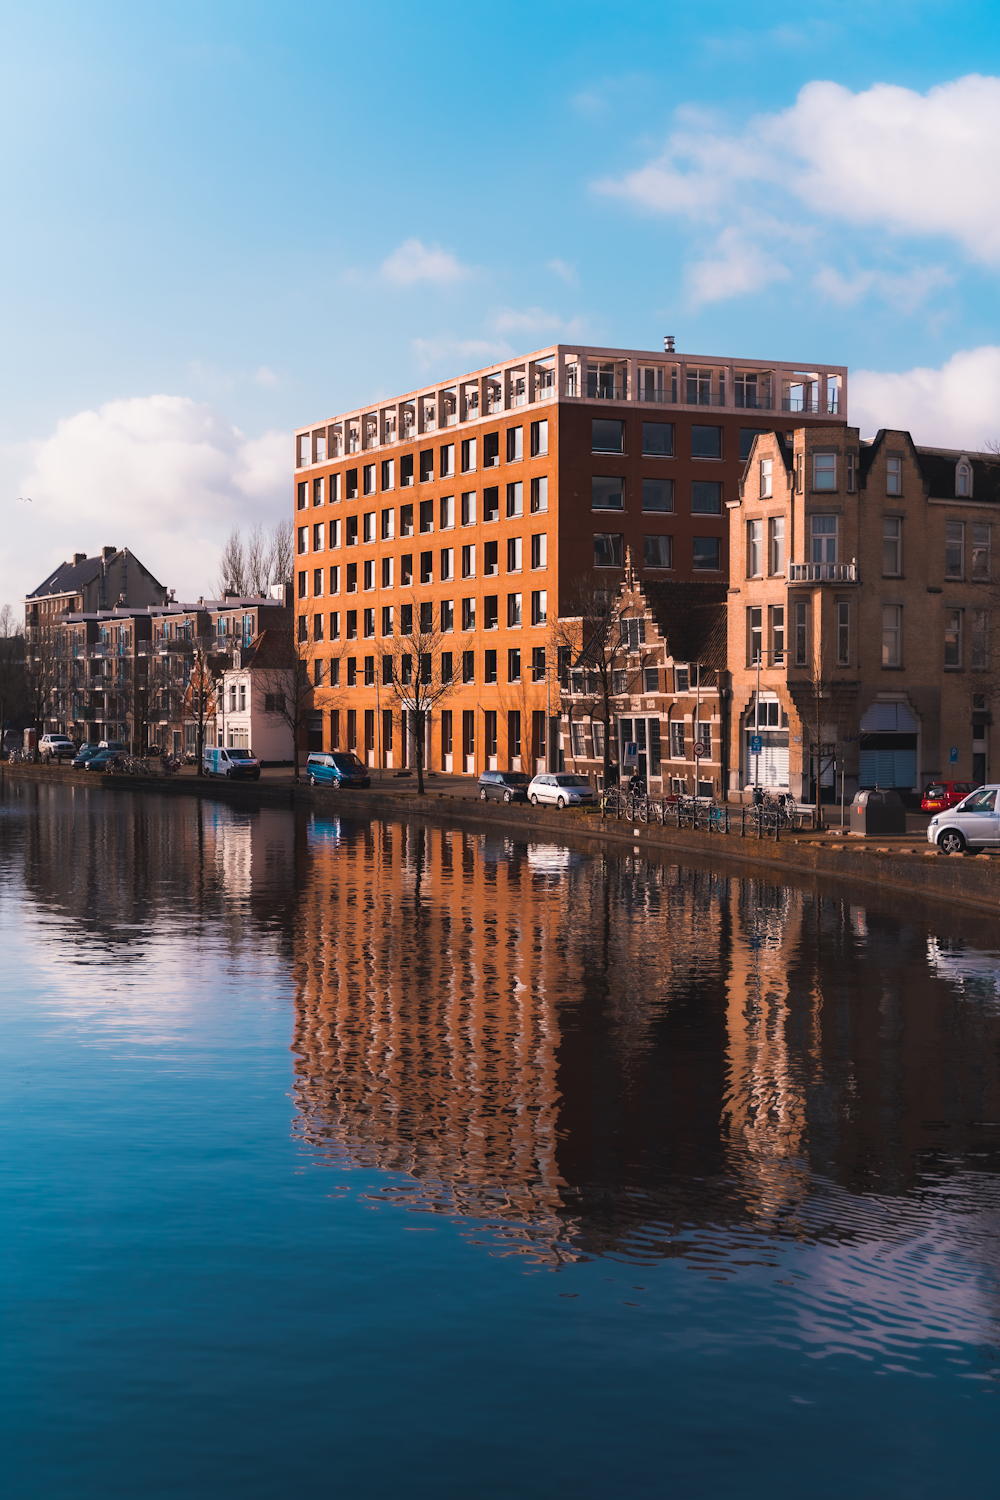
953 638
777 634
447 512
891 630
368 479
954 549
539 550
317 583
489 666
515 444
469 508
491 503
352 578
426 617
607 436
824 471
801 633
706 442
658 494
427 567
539 439
388 473
491 612
352 624
352 671
303 540
980 638
335 533
892 547
851 470
369 624
579 741
765 478
491 450
513 610
706 497
608 550
776 527
388 524
351 484
539 494
351 531
317 629
980 552
490 733
447 563
823 530
369 671
468 455
963 480
468 614
427 466
469 561
539 607
369 574
706 554
755 640
447 615
387 572
658 551
446 732
387 619
677 739
406 520
894 476
513 554
658 439
468 666
303 628
538 664
513 665
447 666
515 499
607 493
447 461
755 549
843 634
491 556
318 537
302 495
334 626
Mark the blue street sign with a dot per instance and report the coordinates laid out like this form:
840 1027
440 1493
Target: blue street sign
953 755
756 744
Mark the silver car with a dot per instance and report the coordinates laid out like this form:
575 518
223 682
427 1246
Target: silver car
562 789
973 824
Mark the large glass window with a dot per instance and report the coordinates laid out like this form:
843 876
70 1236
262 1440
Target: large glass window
953 638
706 554
954 549
823 530
657 551
980 552
894 476
891 632
755 549
608 493
706 497
824 471
658 494
658 439
607 550
607 436
776 526
892 546
706 442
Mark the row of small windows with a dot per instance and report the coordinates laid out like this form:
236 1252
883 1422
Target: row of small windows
386 567
345 486
824 475
658 552
425 618
773 653
423 516
824 539
658 439
658 495
327 672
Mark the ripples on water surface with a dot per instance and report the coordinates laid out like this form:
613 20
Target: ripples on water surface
381 1160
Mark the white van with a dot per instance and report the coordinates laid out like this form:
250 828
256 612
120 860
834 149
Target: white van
230 763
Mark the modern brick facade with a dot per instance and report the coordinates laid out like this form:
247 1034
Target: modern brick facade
487 500
862 578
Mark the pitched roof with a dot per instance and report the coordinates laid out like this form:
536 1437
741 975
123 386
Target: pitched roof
692 619
273 648
69 578
939 464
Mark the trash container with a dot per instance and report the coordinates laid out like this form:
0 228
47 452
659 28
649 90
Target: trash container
878 812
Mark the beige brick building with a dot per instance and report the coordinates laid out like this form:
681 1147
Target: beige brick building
860 601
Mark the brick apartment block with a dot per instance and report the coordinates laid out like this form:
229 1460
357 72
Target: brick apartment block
862 578
486 500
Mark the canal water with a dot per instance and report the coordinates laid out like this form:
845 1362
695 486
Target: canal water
374 1160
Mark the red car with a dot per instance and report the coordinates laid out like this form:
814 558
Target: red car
940 796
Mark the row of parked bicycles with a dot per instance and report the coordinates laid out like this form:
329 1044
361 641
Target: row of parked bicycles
768 814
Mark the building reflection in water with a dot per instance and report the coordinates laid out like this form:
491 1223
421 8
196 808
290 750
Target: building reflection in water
596 1055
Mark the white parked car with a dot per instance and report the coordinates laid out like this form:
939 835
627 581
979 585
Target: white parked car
562 789
56 747
973 824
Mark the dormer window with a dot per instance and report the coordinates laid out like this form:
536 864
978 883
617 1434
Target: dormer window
963 477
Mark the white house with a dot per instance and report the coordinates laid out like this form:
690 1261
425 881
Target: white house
252 697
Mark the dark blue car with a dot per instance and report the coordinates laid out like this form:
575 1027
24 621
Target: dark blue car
336 768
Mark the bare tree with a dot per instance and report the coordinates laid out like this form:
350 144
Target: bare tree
590 639
45 652
257 558
281 555
13 686
285 672
423 674
202 691
232 577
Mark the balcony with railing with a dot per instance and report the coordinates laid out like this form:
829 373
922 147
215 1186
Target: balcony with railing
822 572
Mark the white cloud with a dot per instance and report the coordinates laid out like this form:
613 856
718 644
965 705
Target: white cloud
415 261
565 270
956 406
455 356
905 289
739 265
163 475
916 164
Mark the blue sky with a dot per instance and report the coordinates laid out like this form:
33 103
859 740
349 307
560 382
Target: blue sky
225 220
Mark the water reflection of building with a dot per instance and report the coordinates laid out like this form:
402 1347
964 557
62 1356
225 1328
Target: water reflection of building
608 1053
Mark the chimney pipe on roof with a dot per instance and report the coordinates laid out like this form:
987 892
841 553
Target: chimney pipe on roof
108 553
668 343
78 558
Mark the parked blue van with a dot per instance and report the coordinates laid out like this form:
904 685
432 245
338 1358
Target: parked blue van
231 763
336 768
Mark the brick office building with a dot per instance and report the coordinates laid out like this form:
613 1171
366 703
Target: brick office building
485 501
862 581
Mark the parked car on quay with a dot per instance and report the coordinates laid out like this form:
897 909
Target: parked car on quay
973 824
80 759
232 763
561 789
111 745
56 747
336 768
939 796
102 760
504 786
